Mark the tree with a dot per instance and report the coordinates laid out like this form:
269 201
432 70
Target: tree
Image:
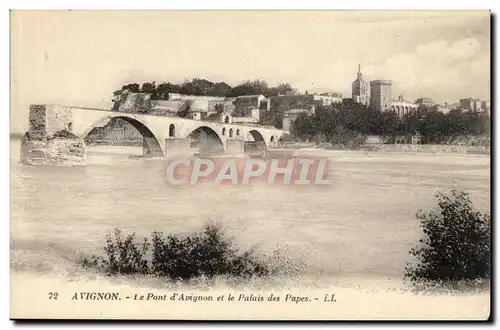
455 245
303 127
250 87
163 89
149 88
433 126
389 124
134 88
220 89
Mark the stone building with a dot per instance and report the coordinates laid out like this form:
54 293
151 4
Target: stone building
474 104
381 94
309 102
131 134
360 89
402 107
486 106
115 134
425 102
184 97
225 105
250 101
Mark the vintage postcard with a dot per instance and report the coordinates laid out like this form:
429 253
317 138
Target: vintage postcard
250 165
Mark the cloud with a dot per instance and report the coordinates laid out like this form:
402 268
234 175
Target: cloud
443 70
444 50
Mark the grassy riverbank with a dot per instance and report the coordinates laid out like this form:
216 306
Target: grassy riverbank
36 273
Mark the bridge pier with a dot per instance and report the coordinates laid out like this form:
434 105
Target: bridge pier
177 147
235 147
210 145
150 147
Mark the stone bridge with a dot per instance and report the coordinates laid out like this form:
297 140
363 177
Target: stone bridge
163 136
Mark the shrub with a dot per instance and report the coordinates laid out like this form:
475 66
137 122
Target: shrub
201 255
456 243
207 254
122 256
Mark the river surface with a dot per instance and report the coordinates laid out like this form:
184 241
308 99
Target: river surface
364 223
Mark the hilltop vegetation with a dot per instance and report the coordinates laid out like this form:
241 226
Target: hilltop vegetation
205 87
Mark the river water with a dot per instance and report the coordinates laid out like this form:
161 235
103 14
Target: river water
364 223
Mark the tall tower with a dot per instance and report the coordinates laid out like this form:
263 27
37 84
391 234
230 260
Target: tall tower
360 89
381 94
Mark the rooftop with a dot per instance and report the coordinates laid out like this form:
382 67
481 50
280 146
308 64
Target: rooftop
248 96
381 82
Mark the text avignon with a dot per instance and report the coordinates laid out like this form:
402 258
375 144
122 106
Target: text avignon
95 296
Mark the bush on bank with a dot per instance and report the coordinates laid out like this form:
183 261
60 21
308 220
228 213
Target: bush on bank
207 254
455 247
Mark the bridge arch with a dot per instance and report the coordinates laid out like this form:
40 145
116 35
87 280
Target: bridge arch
255 141
151 143
207 140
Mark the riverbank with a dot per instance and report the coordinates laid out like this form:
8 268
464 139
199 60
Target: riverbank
44 284
402 148
31 299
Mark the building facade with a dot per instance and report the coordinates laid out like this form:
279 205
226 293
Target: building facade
360 89
131 134
244 102
184 97
381 94
309 102
475 105
425 102
402 107
486 106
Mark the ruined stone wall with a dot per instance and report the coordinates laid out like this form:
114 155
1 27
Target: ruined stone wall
53 152
58 118
37 121
136 103
46 120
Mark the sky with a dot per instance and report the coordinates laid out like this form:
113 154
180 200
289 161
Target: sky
79 58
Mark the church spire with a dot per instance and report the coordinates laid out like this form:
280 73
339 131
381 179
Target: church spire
360 76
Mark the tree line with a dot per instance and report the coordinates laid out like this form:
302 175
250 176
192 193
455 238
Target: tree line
204 87
354 120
